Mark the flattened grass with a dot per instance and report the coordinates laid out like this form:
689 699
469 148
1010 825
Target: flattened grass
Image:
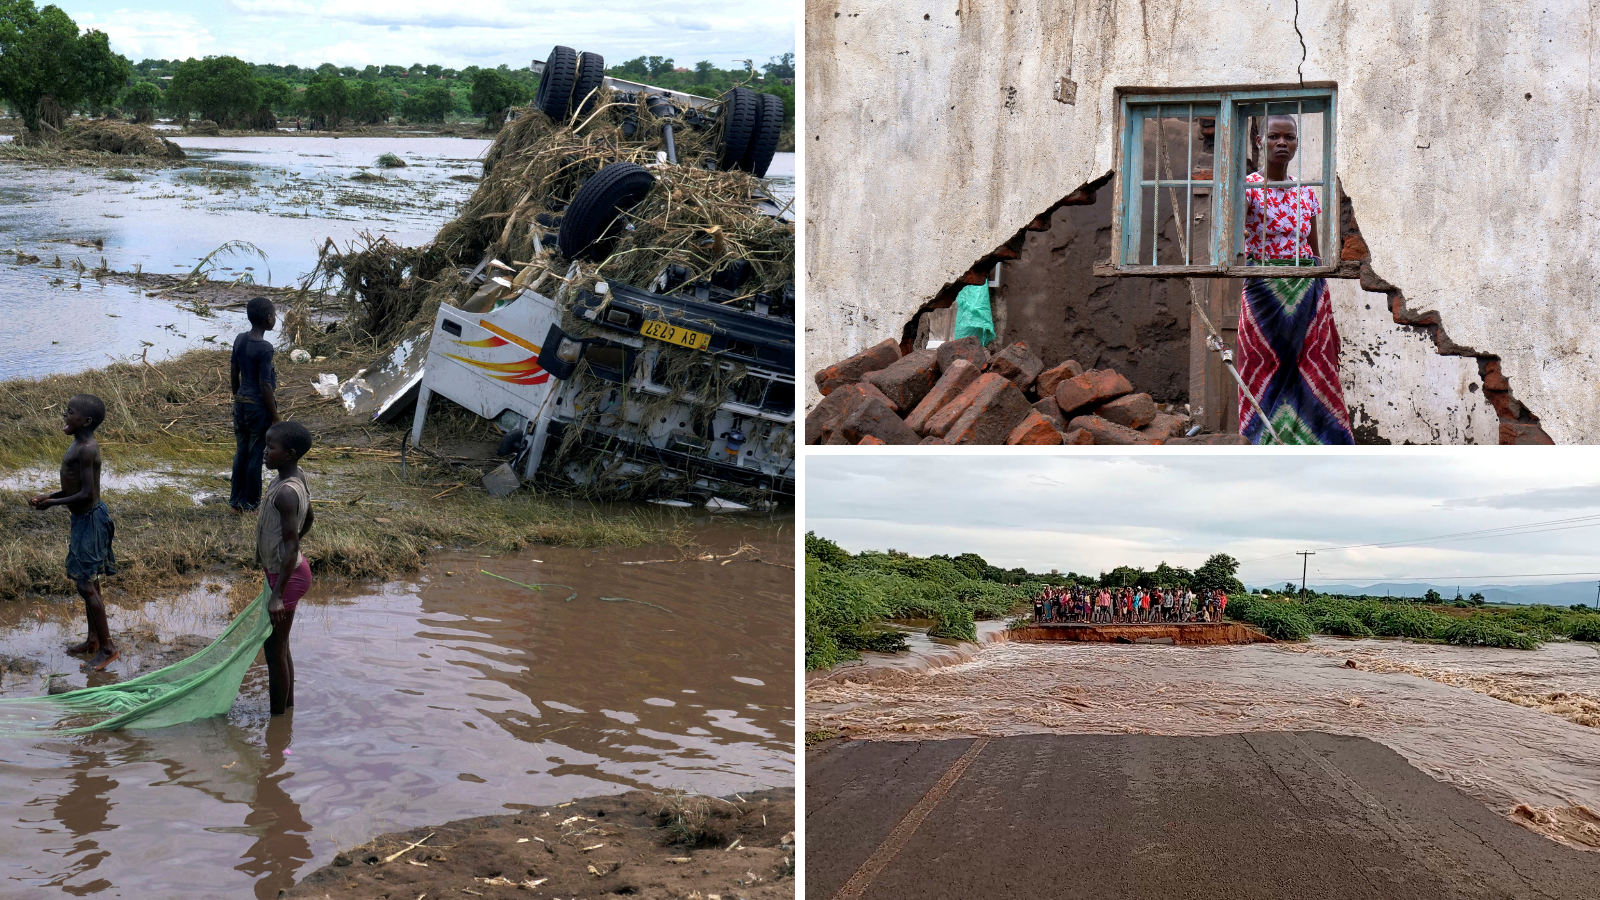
175 418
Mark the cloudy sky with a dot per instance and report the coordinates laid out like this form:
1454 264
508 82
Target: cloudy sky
1089 514
402 32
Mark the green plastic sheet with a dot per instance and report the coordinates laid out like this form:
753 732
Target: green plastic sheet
203 685
973 318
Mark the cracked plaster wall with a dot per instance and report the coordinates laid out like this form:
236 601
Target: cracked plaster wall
933 135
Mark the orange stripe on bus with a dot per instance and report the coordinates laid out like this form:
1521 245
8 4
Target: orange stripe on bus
509 336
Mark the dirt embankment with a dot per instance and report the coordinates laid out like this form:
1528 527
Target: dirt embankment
685 847
1199 634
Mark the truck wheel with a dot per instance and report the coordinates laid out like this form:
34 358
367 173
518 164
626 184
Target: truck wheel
554 96
586 224
738 117
591 74
764 142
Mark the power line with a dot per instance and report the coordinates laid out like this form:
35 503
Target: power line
1502 531
1461 577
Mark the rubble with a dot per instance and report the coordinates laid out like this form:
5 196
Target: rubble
958 392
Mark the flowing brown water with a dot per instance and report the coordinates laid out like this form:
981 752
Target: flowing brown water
1444 708
418 702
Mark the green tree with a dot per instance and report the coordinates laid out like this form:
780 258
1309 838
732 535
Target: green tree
703 70
44 60
276 94
223 89
141 99
493 94
660 66
434 71
371 103
428 104
778 67
1432 596
971 565
1476 598
1217 574
327 99
825 550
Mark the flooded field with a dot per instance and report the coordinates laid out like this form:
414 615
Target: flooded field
1441 707
453 694
286 195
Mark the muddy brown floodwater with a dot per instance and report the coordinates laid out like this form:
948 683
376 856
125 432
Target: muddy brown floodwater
1504 726
418 702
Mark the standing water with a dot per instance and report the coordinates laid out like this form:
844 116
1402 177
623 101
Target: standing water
286 195
1509 727
452 695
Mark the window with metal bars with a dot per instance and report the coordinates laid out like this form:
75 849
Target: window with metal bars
1194 174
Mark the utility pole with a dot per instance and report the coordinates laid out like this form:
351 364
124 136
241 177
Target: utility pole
1305 560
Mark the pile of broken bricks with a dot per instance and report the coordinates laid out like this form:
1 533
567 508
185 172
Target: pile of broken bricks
958 394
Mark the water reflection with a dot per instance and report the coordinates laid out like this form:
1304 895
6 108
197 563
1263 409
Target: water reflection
419 702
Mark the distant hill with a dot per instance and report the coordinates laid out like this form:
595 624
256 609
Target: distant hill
1564 594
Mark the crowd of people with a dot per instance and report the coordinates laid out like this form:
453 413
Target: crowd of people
1128 605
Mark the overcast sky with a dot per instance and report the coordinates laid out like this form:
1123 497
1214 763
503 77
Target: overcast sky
1090 514
455 35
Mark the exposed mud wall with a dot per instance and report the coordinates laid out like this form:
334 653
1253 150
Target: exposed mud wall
1138 326
1186 635
1465 135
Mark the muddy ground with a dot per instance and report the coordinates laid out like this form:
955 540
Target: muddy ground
635 844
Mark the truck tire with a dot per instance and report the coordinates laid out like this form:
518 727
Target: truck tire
591 74
738 117
554 97
586 224
764 142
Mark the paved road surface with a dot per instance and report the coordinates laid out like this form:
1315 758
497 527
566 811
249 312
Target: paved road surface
1129 817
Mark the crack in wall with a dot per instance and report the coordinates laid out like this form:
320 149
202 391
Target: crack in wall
1518 424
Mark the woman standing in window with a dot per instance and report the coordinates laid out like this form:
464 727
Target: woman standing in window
1288 345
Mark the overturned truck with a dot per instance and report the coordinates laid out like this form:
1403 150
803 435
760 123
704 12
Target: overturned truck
629 321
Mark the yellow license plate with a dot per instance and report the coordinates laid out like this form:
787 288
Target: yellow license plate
672 334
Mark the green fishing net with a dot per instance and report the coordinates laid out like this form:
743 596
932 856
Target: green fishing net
203 685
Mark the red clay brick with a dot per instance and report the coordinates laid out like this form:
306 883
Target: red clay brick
1047 407
996 408
1523 433
1132 411
875 418
1077 436
967 348
930 439
1092 388
869 440
939 423
1164 427
1017 364
852 370
1034 430
1106 431
1051 378
949 386
1493 378
825 418
907 380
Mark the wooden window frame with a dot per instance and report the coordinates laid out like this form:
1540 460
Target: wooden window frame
1226 246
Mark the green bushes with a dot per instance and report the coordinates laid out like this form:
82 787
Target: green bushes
1279 621
848 597
1408 621
1478 632
1585 628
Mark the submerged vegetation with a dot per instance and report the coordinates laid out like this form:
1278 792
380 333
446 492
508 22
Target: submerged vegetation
375 519
1289 618
848 597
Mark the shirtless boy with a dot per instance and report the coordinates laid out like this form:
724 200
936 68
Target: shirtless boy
89 556
285 519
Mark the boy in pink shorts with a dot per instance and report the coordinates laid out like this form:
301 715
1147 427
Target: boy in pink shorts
285 518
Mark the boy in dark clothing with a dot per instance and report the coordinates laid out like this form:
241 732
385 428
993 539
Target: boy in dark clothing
89 556
255 403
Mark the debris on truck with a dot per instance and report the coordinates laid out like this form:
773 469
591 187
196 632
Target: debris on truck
617 296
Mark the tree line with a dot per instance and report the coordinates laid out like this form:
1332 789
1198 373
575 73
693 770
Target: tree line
49 69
